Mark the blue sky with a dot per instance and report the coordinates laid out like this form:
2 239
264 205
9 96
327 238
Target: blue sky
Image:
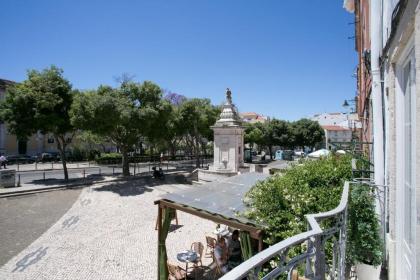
285 59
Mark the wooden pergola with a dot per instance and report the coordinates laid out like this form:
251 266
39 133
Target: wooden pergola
220 202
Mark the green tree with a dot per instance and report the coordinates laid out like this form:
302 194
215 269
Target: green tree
307 133
174 129
41 103
253 135
276 133
197 115
122 115
282 134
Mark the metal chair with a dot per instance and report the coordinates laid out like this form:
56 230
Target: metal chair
176 272
211 243
198 247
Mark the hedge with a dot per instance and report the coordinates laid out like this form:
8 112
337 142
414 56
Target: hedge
282 201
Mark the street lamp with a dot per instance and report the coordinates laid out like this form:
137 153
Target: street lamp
350 102
347 103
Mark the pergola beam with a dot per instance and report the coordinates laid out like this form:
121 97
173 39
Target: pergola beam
255 232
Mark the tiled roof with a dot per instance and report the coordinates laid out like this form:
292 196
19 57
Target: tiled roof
334 128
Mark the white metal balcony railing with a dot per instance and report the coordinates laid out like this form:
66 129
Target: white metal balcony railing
314 240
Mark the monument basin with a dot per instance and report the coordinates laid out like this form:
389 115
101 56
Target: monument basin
214 175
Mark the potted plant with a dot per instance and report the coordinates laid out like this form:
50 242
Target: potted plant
364 240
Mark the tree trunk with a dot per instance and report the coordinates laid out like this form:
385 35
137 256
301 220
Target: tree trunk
270 149
61 146
204 148
197 154
172 149
197 148
125 163
190 145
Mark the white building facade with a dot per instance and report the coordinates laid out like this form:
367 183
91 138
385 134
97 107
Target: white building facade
395 100
350 120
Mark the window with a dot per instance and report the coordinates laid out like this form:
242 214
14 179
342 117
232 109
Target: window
407 82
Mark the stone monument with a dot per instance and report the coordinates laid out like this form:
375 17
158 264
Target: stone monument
228 144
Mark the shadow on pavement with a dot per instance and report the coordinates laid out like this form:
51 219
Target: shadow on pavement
133 186
173 227
91 178
124 188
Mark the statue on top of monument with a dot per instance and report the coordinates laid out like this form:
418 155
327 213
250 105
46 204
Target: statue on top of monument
229 96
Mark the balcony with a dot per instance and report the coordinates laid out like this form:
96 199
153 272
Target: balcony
314 258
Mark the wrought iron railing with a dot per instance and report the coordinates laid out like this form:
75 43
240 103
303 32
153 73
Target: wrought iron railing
279 260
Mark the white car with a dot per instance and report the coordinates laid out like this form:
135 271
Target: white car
299 153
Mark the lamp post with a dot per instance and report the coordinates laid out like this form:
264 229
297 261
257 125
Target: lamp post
349 105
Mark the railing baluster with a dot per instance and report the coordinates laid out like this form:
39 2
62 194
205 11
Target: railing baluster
314 258
309 273
319 258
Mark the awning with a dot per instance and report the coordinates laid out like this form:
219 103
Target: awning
221 199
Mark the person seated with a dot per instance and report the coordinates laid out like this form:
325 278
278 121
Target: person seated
157 173
235 252
221 254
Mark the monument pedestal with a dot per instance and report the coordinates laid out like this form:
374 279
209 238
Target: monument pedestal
228 144
214 175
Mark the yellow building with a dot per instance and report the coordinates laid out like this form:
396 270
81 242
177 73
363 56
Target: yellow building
10 145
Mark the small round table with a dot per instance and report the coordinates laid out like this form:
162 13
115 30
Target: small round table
221 232
187 257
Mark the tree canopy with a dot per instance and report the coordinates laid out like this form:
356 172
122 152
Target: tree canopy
196 117
287 135
41 103
122 114
307 133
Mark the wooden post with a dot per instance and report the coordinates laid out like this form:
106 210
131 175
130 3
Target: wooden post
159 228
260 243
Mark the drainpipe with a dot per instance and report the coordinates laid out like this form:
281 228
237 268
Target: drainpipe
376 48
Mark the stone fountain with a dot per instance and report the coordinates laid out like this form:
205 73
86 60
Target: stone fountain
228 144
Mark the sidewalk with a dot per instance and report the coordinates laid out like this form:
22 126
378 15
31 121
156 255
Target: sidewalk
52 184
39 166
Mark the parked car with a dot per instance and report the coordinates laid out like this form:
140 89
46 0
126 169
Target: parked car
48 157
21 159
299 153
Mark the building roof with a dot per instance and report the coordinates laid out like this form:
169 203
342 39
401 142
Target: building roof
4 83
334 128
221 199
249 114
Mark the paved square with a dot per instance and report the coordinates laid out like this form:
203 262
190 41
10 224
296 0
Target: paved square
107 234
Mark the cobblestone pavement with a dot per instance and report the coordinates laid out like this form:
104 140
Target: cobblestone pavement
107 234
24 219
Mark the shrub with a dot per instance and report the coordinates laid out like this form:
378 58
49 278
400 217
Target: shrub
364 240
282 201
111 158
78 154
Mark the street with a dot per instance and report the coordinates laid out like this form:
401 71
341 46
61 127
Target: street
23 219
26 174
